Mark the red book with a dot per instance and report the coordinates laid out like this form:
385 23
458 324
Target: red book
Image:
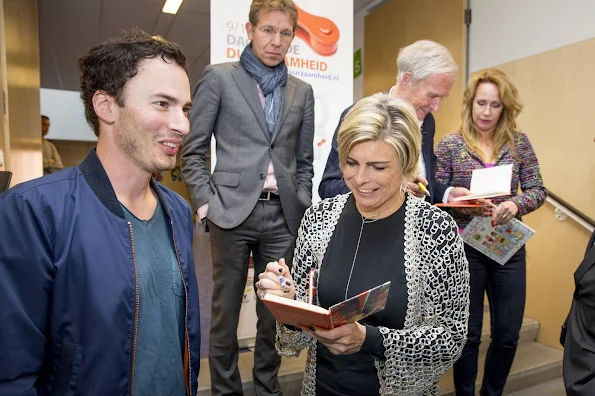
468 204
299 313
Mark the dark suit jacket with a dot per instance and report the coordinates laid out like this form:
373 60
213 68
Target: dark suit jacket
226 105
332 182
579 345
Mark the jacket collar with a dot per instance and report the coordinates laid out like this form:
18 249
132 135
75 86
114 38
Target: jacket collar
97 178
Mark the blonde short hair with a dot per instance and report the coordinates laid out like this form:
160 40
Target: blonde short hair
382 118
287 6
424 58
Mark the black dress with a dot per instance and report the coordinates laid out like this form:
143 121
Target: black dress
380 258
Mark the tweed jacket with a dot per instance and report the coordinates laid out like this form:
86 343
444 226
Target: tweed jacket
456 162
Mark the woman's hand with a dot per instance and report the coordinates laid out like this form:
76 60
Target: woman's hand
343 340
505 212
276 279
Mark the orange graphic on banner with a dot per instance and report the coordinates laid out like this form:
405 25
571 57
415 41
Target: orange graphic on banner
320 33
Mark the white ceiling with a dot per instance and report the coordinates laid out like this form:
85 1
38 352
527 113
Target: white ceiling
68 28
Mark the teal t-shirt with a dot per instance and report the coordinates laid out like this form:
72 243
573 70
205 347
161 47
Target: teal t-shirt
159 367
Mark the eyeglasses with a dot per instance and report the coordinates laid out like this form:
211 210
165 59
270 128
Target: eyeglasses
269 32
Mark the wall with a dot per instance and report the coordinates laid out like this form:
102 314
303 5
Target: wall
3 104
557 88
22 90
531 27
553 254
358 43
72 152
67 115
549 55
397 23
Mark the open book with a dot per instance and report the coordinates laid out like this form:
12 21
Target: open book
489 183
299 313
498 243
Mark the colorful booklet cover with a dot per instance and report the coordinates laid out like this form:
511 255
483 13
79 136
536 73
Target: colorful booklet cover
299 313
498 243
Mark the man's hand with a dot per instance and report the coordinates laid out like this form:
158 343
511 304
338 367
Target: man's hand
484 211
456 192
414 189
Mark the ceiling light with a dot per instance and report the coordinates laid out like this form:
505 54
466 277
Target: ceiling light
171 6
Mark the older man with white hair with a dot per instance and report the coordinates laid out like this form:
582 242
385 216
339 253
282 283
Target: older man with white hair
426 72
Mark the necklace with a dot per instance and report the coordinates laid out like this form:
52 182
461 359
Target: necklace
361 229
366 220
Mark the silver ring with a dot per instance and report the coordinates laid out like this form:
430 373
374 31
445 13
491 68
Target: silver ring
262 293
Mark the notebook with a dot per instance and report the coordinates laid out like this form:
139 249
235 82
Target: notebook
299 313
489 183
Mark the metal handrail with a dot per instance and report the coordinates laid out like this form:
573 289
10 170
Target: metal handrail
571 211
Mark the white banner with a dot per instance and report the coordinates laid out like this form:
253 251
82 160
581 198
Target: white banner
322 55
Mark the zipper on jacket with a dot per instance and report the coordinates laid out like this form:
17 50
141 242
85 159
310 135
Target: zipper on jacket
187 333
136 309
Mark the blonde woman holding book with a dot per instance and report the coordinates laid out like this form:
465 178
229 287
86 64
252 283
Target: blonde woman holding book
488 137
374 234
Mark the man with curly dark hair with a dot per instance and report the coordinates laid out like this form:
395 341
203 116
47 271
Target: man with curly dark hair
98 291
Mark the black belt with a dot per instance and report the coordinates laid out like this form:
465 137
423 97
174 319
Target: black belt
267 196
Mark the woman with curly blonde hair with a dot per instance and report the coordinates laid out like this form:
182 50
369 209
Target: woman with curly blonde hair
488 137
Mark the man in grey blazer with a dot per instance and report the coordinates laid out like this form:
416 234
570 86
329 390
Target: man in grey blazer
263 123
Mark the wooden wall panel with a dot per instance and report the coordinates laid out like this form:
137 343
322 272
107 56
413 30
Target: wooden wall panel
3 83
2 104
557 89
22 69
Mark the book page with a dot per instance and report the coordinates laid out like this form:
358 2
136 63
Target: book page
489 182
360 306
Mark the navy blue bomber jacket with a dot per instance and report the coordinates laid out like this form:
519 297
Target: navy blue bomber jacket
69 286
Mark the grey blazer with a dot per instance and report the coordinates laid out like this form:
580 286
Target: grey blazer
226 105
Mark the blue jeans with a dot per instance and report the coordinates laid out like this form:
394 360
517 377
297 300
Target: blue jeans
505 286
